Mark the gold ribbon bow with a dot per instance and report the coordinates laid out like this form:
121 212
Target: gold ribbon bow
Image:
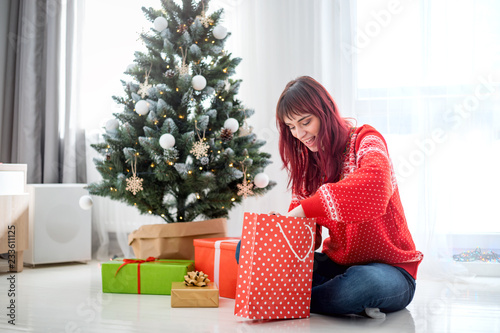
197 279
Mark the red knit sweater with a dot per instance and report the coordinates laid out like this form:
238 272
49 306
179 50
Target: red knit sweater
363 211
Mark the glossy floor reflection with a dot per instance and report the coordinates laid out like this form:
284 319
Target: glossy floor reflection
68 298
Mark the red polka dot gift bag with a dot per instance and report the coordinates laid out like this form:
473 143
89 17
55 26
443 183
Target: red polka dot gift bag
275 267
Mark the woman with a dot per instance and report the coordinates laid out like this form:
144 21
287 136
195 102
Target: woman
343 176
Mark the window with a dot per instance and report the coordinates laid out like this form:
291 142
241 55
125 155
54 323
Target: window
426 76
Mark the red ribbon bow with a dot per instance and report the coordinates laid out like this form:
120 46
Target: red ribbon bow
139 262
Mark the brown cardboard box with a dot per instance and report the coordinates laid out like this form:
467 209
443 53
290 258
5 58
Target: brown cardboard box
173 240
183 296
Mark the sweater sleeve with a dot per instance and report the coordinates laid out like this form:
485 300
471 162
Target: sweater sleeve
364 194
318 239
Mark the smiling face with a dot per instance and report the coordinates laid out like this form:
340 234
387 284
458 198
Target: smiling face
304 127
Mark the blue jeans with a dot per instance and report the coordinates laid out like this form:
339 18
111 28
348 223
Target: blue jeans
338 290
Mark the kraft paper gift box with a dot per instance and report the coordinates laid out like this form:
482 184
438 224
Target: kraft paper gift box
173 240
216 258
151 276
194 297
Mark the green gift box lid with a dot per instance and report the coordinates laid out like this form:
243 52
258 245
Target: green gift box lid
156 277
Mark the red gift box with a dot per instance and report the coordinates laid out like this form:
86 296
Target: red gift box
216 257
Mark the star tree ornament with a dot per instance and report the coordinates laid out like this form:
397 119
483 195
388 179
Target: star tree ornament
134 183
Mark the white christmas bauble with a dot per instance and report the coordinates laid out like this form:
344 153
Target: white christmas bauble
86 202
112 125
220 32
232 124
131 67
160 23
167 141
199 82
261 180
142 107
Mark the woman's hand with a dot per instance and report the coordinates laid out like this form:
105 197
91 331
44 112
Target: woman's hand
297 212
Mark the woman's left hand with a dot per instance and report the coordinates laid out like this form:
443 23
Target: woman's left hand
297 212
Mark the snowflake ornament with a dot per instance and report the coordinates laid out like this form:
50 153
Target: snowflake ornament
143 88
134 184
183 69
245 129
245 189
206 21
200 149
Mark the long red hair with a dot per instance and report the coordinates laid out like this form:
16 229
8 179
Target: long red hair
308 170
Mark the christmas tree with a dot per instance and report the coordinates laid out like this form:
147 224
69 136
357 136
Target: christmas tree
181 148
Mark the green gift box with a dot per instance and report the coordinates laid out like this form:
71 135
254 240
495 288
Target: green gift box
137 276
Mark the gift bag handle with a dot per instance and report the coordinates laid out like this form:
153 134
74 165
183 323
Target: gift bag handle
290 245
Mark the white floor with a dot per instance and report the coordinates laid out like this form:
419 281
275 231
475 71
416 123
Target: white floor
68 298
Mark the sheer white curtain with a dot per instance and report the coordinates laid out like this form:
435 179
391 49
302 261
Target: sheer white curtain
427 77
278 41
